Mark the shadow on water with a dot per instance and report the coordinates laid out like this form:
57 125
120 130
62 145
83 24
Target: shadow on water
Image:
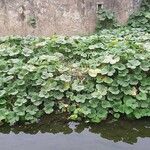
122 130
127 131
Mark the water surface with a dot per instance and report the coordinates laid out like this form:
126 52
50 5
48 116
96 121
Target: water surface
57 134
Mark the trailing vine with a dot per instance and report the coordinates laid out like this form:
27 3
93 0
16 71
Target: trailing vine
105 19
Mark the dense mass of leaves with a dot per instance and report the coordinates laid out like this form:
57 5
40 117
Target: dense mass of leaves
105 20
88 77
141 18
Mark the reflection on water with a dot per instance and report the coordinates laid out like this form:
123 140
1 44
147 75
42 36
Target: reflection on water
57 134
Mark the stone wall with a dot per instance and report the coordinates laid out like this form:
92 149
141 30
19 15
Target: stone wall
64 17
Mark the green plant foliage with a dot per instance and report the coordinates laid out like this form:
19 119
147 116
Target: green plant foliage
87 77
31 20
141 18
105 19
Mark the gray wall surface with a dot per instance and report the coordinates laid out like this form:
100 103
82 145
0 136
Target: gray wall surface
63 17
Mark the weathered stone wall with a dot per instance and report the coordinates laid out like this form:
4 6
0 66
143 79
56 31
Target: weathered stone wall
65 17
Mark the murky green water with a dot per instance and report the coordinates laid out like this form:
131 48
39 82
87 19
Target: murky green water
50 134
